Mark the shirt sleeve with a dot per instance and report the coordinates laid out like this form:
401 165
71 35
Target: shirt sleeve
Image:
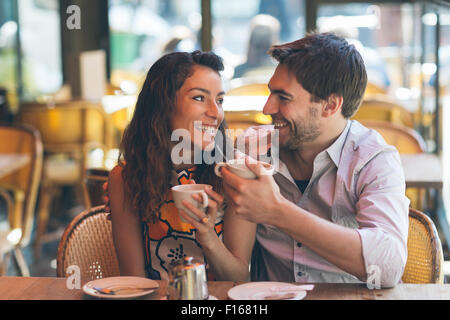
382 214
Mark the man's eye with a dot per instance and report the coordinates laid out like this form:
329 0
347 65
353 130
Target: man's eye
199 98
282 98
220 101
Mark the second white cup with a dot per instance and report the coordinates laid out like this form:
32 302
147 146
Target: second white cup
238 167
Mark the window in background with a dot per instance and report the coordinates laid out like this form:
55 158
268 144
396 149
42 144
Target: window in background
444 85
41 47
244 30
8 50
390 39
387 37
143 30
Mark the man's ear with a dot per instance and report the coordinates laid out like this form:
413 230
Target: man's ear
332 105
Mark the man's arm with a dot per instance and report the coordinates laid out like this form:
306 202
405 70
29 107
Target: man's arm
339 245
382 214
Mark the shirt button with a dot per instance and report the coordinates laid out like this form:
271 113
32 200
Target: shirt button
299 274
299 244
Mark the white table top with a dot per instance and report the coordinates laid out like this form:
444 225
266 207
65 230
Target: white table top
11 162
422 170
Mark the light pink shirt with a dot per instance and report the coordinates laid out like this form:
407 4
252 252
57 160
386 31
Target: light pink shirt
358 182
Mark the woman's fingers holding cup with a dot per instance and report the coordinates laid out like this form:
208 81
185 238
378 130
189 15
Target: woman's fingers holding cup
197 224
212 207
196 211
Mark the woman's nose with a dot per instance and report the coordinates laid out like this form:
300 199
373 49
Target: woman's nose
213 110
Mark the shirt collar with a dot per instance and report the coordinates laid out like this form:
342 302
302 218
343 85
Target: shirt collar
335 150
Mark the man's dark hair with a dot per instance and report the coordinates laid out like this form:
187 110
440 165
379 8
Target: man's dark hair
326 64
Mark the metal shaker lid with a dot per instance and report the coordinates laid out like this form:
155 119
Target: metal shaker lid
185 264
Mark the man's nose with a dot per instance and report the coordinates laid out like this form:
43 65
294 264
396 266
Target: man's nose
270 107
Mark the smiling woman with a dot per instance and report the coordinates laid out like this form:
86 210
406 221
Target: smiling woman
199 108
182 91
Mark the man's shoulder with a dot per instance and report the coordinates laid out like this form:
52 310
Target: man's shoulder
364 144
361 137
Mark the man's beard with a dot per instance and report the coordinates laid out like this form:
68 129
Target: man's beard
304 130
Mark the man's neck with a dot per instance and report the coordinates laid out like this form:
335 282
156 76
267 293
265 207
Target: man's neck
300 162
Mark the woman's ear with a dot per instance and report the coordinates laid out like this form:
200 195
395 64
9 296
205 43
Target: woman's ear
332 105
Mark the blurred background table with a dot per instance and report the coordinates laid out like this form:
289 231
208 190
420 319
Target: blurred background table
422 170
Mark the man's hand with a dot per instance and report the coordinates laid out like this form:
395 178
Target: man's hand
254 200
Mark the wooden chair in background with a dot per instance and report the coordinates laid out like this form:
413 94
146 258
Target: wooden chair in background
407 141
88 244
249 89
372 89
94 180
384 110
69 132
23 185
425 257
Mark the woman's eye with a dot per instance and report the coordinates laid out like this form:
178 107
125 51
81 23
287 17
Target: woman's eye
199 98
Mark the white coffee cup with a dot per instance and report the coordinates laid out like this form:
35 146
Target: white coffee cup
185 192
238 167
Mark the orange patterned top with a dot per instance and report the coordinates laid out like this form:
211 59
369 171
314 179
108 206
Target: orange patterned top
170 239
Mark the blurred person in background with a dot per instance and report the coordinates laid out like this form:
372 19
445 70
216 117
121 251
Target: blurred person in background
279 10
264 32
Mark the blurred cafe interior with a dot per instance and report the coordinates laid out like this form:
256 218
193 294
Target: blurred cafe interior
70 72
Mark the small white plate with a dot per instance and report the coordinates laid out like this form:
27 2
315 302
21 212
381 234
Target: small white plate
260 290
131 285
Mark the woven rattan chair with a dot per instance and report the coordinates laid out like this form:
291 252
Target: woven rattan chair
87 243
425 257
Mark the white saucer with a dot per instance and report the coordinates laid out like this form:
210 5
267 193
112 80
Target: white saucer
260 290
114 283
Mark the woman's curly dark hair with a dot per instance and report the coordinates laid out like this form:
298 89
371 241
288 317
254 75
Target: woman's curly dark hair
146 144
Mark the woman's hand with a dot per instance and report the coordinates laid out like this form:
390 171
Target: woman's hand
205 234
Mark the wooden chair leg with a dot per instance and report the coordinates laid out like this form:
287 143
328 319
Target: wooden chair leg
21 263
42 219
4 263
